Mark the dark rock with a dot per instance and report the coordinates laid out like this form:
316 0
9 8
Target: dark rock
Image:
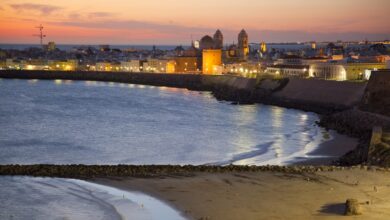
352 207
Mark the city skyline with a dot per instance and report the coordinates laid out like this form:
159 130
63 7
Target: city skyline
177 22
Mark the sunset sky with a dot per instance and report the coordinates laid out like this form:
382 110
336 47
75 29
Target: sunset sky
175 21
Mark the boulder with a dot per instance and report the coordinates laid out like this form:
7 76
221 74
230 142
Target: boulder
352 207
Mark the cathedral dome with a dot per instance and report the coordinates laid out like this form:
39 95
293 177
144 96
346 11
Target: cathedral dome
206 42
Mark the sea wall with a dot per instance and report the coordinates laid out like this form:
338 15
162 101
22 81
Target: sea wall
190 81
358 124
377 95
231 88
320 95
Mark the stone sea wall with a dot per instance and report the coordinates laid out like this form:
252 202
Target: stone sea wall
320 95
358 124
190 81
377 94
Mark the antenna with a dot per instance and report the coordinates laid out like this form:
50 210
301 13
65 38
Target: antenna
40 35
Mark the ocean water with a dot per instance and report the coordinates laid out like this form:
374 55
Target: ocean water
67 122
30 198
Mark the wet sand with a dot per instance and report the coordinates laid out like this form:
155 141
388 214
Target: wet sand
267 195
329 151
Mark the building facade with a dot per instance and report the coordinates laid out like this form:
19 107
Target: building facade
159 66
212 61
186 64
284 70
244 69
343 71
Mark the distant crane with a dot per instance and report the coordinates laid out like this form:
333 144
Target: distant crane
40 35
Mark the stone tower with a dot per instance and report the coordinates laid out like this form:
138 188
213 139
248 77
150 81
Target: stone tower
243 45
218 40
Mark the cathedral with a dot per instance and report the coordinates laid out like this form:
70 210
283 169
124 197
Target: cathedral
238 52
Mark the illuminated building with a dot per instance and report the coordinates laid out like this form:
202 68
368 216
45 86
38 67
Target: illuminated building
337 57
244 69
290 60
263 47
212 61
186 64
13 64
3 65
314 60
32 64
196 44
170 66
243 45
313 45
343 71
51 46
159 66
131 66
218 40
285 70
62 65
108 66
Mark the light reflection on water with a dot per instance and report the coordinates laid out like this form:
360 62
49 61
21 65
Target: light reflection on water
109 123
32 81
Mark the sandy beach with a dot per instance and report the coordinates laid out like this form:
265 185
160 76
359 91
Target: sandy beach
267 195
329 151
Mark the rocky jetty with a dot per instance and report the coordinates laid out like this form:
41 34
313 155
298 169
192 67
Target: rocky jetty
92 171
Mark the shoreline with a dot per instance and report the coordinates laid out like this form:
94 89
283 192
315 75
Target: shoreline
240 192
327 153
255 195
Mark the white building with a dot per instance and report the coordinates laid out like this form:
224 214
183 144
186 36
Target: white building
343 70
131 66
329 71
301 71
159 66
245 69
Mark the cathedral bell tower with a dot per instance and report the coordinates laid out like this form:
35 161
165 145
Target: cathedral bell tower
243 45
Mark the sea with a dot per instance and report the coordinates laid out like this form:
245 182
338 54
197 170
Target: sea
75 122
